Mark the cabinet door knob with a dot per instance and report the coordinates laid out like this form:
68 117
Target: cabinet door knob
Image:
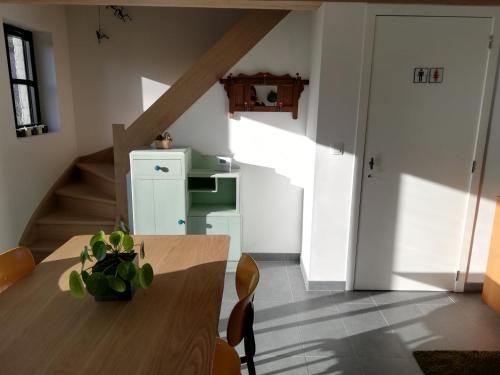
180 222
163 169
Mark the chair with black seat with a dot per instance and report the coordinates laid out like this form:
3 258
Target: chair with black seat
240 323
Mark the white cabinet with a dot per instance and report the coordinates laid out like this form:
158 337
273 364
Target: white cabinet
168 197
159 190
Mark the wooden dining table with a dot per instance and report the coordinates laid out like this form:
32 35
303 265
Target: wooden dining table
169 328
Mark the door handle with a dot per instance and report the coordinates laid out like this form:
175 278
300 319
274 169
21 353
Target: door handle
371 163
180 222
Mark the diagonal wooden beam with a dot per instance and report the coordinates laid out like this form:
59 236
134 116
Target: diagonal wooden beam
217 61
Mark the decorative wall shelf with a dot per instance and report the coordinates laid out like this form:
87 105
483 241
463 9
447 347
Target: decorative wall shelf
242 93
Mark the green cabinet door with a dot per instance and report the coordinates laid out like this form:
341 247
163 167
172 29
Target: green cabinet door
143 202
170 206
229 225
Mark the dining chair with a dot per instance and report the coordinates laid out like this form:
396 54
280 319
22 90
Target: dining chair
15 264
226 359
240 323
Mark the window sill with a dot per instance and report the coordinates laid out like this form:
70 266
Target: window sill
29 131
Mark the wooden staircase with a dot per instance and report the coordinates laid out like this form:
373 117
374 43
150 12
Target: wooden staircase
81 202
91 194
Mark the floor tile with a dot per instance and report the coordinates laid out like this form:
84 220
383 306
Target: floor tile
280 365
362 318
353 297
453 330
390 366
274 284
401 298
361 332
378 344
334 366
297 284
399 315
276 330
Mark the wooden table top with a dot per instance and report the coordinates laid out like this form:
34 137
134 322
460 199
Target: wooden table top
169 328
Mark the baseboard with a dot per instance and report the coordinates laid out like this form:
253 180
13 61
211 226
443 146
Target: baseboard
312 285
275 257
473 287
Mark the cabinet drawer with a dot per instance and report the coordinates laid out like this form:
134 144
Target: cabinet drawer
159 169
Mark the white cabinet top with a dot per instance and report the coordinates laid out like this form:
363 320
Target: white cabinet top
153 153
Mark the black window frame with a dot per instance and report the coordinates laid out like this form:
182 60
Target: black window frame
26 36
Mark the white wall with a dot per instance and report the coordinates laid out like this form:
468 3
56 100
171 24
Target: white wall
316 43
337 112
271 148
326 257
29 166
115 81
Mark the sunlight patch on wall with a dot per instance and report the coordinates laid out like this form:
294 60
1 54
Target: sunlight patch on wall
151 91
256 143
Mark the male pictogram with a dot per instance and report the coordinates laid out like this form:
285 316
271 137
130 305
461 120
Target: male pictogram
421 75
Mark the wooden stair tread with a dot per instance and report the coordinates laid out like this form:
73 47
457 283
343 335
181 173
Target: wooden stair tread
64 217
84 191
103 170
45 246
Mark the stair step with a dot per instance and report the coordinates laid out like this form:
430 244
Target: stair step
64 217
45 246
84 191
42 248
103 170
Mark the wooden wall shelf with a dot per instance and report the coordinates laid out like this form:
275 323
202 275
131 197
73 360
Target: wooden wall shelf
242 99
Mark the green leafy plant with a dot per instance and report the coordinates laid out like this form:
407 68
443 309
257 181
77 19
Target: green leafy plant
113 265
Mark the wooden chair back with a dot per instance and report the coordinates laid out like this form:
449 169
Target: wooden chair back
247 276
226 359
15 264
247 279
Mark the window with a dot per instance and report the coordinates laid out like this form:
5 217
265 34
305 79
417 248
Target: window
23 83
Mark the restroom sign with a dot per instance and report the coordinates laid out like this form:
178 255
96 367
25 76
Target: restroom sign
428 75
436 75
421 75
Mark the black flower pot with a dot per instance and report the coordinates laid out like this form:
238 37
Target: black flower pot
108 266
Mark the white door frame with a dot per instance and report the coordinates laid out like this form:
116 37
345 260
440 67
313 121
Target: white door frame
372 11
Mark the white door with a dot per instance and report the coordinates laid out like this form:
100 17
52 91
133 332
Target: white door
427 83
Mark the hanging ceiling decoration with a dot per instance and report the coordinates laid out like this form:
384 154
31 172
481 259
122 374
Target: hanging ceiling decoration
118 12
101 35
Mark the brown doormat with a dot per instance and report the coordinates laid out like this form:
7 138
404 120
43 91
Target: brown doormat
457 362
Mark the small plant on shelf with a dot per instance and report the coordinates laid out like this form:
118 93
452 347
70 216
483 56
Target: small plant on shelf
115 273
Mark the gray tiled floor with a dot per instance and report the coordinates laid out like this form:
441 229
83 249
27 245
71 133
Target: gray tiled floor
306 333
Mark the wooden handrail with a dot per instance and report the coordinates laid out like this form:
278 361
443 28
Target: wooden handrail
196 81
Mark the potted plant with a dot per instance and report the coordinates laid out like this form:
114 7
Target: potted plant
115 273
